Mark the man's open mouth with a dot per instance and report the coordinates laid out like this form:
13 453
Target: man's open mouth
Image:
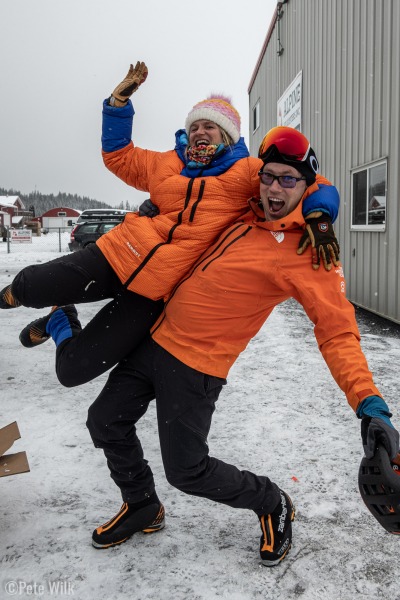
275 205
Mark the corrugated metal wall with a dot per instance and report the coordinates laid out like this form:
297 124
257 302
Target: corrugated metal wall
349 53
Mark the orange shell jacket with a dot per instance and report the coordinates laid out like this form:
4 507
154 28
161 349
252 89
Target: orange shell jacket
213 314
150 256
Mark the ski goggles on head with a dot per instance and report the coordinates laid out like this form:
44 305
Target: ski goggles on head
291 146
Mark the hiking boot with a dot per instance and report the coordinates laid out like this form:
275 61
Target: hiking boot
276 530
65 319
7 299
127 521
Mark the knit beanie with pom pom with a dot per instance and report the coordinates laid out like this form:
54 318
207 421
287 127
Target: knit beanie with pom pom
219 110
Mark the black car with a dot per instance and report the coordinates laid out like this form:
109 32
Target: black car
88 232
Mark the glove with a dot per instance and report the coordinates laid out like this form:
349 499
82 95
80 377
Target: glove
376 431
376 426
319 233
135 77
148 209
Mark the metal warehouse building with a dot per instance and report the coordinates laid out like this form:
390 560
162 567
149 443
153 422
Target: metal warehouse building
331 68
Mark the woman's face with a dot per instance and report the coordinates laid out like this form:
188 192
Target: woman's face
204 132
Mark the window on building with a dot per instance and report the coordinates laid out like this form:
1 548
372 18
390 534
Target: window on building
369 187
256 116
61 214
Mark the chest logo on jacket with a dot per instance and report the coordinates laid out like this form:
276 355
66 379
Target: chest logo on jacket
278 235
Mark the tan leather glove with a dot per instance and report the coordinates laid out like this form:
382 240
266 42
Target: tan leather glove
128 86
319 233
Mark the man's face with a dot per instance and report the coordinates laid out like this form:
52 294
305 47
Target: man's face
279 201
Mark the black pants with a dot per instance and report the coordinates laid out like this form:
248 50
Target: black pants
185 404
86 276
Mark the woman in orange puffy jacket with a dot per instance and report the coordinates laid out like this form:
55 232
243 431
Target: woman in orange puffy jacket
199 188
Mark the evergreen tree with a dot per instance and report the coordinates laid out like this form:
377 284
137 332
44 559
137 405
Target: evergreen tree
41 203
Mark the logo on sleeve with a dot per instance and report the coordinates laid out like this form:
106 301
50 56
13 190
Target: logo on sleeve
339 271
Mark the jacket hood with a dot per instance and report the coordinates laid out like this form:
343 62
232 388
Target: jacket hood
221 163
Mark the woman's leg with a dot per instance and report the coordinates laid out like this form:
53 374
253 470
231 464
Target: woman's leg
83 276
115 331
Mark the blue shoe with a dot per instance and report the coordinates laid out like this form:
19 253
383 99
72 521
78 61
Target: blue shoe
60 324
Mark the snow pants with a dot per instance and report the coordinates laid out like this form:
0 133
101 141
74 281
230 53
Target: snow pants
86 276
185 402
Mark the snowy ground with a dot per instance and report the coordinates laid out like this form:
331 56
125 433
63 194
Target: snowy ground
281 414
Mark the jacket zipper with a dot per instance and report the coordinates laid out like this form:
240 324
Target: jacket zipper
199 197
245 232
206 258
171 231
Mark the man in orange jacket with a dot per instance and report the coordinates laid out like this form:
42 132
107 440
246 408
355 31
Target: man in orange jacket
207 322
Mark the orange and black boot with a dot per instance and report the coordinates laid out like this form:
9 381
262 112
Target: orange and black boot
130 519
7 300
276 538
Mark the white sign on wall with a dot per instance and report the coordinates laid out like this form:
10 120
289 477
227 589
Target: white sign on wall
289 104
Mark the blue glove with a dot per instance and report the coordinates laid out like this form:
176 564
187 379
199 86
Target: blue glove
148 209
376 427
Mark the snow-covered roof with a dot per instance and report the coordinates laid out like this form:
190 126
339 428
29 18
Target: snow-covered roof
10 201
378 201
16 219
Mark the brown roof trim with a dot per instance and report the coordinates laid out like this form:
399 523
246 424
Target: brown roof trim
266 42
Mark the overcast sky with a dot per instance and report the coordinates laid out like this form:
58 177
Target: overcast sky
60 58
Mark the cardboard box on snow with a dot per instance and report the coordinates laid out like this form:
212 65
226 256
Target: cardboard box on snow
11 464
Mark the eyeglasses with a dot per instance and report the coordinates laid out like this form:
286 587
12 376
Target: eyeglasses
285 181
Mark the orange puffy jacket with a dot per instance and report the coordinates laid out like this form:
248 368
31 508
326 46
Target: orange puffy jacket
251 268
150 256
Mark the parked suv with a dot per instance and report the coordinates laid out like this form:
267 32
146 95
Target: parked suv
88 232
96 214
92 224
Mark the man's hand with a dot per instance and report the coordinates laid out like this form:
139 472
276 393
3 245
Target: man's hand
148 209
319 233
135 77
376 431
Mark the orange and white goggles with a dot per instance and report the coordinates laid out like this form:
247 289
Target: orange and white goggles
291 145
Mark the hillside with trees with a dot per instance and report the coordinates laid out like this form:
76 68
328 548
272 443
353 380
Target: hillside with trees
41 203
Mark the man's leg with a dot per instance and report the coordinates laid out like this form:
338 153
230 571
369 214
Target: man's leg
185 404
111 423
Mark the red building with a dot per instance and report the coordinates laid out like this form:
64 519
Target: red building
59 217
13 212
